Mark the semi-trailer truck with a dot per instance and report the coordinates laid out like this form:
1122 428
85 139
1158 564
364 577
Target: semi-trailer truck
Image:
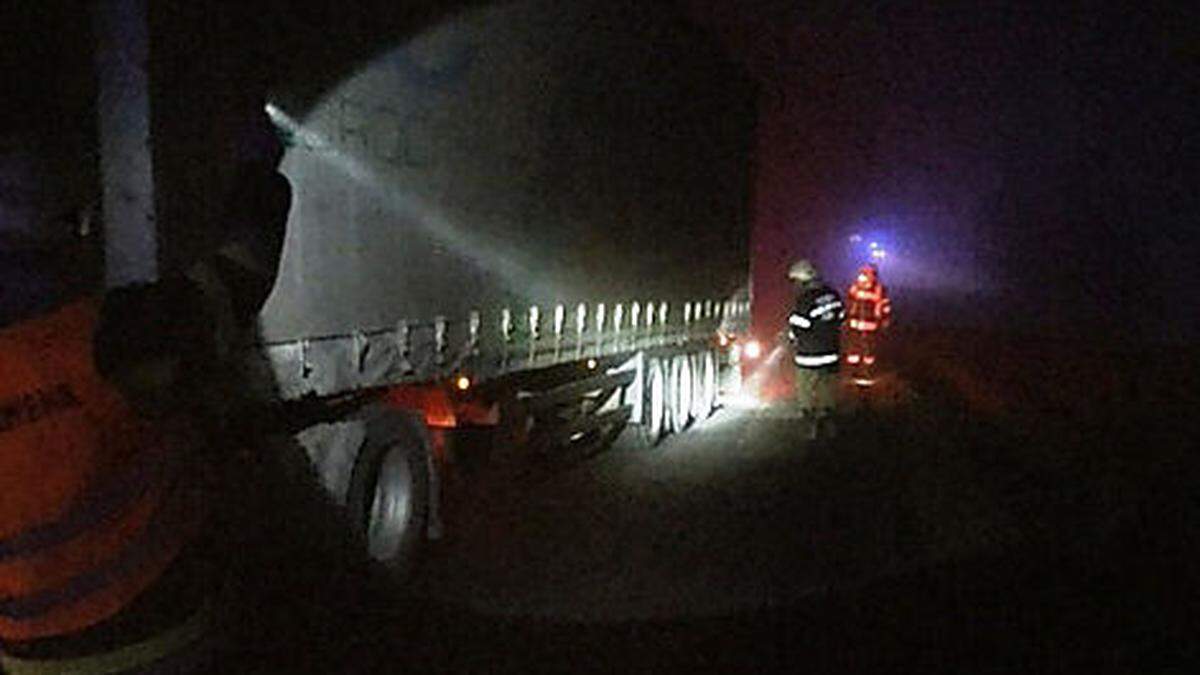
529 217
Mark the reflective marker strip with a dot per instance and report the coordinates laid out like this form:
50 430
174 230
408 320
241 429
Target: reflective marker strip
822 360
797 320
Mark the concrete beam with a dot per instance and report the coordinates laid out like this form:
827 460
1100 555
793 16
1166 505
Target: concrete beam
126 141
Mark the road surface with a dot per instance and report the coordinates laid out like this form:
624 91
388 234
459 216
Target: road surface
741 512
947 520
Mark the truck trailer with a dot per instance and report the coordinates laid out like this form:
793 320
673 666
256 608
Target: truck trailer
507 223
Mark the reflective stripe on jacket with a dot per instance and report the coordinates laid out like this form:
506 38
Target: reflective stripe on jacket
869 307
92 507
814 324
182 649
815 361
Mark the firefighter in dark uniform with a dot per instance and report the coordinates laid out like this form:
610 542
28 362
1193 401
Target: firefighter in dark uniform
814 326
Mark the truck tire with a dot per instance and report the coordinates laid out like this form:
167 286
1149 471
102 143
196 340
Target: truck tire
705 388
681 395
390 488
654 405
697 363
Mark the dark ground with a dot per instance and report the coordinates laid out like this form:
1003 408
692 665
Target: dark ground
986 512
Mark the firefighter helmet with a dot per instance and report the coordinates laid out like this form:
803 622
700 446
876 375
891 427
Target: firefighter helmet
802 271
868 275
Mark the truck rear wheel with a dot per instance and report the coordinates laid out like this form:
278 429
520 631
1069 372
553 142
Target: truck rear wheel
681 395
389 489
705 388
654 405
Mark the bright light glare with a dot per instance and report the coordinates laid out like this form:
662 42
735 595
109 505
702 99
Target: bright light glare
591 364
753 349
879 253
742 400
756 379
463 383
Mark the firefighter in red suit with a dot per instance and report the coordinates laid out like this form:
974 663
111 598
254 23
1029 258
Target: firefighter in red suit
869 312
